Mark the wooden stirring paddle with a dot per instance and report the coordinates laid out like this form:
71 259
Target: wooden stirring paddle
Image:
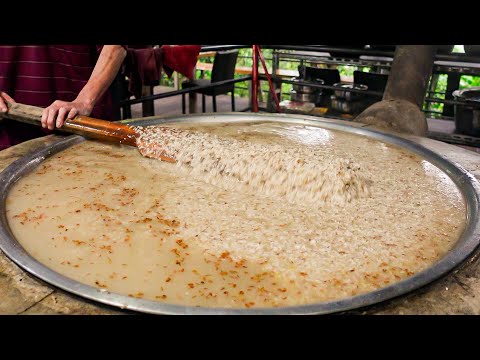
293 174
80 125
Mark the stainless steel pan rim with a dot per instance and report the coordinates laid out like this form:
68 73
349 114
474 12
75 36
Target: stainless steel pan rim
467 243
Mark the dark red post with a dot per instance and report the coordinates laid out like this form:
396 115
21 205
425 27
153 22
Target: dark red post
270 84
255 78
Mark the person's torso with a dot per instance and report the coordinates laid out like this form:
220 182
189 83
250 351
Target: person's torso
40 74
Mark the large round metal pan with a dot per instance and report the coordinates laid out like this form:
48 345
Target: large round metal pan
469 240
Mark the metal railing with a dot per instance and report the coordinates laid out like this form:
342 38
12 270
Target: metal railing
328 87
126 104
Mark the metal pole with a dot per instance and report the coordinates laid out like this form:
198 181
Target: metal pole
255 78
410 73
401 107
270 84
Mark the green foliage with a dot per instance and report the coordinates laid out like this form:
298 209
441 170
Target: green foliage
348 70
245 59
466 81
469 81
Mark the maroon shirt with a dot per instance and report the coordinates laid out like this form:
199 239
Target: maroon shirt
39 75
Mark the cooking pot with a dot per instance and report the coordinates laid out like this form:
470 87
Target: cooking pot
306 89
348 107
303 97
467 115
348 95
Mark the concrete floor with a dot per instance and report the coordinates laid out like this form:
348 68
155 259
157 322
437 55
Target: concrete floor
173 105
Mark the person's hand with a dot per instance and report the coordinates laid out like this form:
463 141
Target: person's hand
4 97
59 111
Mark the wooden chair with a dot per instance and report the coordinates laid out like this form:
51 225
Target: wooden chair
223 69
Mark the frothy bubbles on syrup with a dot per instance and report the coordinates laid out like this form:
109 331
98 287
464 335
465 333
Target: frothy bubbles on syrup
297 174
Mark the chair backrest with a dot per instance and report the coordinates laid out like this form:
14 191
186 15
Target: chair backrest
329 76
374 81
224 69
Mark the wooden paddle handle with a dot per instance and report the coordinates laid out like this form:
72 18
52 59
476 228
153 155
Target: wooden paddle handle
80 125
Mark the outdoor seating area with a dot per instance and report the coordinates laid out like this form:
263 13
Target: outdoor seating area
363 69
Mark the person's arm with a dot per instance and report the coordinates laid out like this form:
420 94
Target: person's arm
3 98
106 68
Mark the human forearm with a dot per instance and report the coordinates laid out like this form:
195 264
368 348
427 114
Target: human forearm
108 64
4 97
105 70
